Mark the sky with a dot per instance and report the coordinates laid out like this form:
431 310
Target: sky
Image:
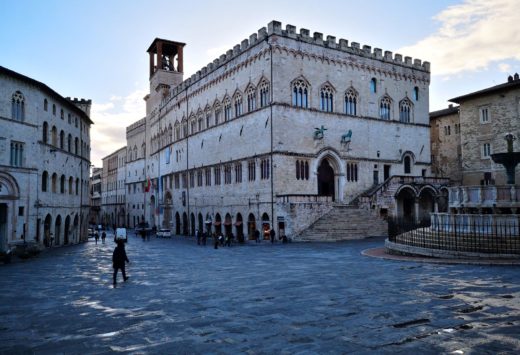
96 49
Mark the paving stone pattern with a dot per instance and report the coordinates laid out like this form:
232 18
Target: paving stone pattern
307 298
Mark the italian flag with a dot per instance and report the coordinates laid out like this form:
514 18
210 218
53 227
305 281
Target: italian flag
148 184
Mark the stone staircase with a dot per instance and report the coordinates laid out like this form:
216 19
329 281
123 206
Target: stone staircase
344 222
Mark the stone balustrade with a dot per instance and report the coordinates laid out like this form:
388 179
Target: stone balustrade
482 224
484 196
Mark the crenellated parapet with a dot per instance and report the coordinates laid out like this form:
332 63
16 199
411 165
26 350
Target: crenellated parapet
317 38
136 124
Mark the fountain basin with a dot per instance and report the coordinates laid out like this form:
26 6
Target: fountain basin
509 160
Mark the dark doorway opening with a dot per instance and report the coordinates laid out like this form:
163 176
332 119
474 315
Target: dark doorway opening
326 179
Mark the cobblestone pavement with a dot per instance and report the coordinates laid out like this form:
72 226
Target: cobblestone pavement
255 299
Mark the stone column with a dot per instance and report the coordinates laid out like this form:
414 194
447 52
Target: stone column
417 210
152 63
180 67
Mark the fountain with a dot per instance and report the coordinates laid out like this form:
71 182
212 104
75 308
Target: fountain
509 160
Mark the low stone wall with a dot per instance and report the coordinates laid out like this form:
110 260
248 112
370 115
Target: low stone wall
300 215
402 249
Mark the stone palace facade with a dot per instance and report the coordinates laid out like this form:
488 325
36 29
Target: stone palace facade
274 133
44 164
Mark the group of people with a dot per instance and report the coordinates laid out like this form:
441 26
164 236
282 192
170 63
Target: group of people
220 239
103 237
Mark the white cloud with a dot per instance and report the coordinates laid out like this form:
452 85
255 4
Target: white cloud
504 67
472 36
108 133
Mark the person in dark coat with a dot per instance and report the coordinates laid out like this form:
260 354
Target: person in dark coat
118 260
272 234
257 236
103 237
215 240
96 237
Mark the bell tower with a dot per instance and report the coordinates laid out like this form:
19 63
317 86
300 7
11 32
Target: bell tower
166 69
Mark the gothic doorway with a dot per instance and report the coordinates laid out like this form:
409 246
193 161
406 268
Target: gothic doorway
406 205
167 210
57 231
192 224
251 226
66 231
47 230
184 224
228 225
239 228
326 179
201 223
177 223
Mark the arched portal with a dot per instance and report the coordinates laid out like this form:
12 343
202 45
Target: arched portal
177 223
66 231
251 226
239 228
3 226
47 230
326 185
167 210
208 224
75 230
57 231
192 224
218 224
200 222
184 224
266 226
9 195
426 204
405 200
228 224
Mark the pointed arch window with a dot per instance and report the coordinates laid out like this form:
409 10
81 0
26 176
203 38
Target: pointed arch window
71 180
62 184
405 109
351 102
238 105
45 181
45 132
193 125
54 109
45 105
69 143
184 128
62 140
227 109
218 113
416 93
177 131
77 186
373 85
264 93
62 114
385 107
300 94
200 122
208 118
54 182
327 99
18 107
251 98
407 161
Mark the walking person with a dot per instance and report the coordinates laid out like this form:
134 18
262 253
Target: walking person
257 236
118 260
198 234
103 237
96 237
215 240
272 234
204 237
